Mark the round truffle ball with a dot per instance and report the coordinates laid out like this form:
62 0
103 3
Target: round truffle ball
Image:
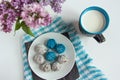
56 66
59 48
50 56
39 48
39 59
62 59
46 67
51 43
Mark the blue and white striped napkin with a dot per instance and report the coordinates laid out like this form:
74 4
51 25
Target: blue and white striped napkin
86 70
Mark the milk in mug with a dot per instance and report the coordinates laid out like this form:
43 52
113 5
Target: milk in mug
93 21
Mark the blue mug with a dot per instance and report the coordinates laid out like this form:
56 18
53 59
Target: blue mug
93 22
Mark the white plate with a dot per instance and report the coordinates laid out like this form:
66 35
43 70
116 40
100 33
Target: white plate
70 54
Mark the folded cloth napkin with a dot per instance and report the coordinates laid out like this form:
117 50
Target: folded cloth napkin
86 70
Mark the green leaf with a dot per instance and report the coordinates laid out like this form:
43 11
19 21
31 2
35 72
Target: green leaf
26 29
17 25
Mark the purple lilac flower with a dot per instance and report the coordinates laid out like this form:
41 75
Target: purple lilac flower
18 4
60 1
7 16
7 19
35 15
3 7
45 2
56 5
27 1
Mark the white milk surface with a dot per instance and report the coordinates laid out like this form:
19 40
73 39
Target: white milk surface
93 21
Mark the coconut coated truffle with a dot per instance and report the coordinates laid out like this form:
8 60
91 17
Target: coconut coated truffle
62 59
39 48
39 59
56 66
46 67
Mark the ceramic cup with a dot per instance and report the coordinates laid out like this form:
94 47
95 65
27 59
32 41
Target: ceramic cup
93 22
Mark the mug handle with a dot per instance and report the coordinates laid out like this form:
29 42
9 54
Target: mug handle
99 38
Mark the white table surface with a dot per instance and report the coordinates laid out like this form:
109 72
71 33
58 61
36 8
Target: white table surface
106 56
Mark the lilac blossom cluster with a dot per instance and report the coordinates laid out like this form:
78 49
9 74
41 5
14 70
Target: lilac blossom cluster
35 15
56 5
31 12
7 17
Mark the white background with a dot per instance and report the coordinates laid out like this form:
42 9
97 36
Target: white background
106 56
